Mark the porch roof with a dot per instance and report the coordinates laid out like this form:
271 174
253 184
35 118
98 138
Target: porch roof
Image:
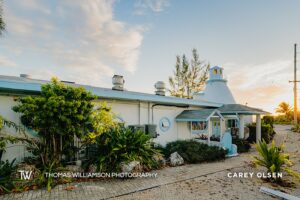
196 115
229 109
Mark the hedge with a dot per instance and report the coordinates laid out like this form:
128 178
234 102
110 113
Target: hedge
194 152
266 132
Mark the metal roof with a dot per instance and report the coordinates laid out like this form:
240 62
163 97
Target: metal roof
240 109
227 109
195 115
19 85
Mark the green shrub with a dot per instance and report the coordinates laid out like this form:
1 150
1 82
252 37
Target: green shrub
282 119
266 132
242 145
160 149
296 128
195 152
6 180
268 120
122 145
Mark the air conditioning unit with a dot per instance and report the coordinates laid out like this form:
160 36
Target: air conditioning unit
137 128
151 130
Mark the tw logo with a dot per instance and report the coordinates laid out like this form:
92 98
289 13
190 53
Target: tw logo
25 175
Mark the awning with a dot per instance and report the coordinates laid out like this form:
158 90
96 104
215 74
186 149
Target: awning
197 115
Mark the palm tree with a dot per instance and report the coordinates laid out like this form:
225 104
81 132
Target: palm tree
284 108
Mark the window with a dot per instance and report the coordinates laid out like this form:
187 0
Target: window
215 71
199 127
231 123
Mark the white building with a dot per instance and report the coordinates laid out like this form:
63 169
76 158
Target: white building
205 117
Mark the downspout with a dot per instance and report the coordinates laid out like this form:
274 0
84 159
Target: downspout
148 112
139 113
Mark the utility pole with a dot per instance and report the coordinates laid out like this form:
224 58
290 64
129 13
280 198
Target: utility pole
295 83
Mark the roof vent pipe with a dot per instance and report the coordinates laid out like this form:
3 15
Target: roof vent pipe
160 87
25 76
118 82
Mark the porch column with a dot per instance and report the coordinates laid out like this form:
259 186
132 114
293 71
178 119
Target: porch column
221 128
258 128
209 131
242 127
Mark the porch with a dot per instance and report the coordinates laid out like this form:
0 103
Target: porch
209 125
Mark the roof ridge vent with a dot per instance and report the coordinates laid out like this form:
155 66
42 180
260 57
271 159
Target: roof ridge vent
25 76
118 82
160 87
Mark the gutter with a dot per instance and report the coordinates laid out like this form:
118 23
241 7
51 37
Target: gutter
168 105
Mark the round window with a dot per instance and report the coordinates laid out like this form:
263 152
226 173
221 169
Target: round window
164 124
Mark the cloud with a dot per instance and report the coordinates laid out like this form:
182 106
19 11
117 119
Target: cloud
35 5
80 40
263 85
141 6
5 62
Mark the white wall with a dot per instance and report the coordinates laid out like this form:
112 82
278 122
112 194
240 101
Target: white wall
249 119
13 150
132 112
141 113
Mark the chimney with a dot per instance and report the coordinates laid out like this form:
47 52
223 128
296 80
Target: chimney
118 82
160 87
25 76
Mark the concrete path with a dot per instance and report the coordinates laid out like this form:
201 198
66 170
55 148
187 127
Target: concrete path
106 189
116 187
282 132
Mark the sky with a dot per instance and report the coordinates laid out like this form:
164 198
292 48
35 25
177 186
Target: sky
90 41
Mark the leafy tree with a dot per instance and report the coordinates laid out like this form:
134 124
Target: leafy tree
285 109
58 114
102 121
5 137
188 77
2 24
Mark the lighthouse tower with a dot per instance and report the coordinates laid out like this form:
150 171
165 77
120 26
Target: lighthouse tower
216 89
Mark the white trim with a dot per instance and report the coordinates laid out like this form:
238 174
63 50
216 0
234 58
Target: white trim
213 112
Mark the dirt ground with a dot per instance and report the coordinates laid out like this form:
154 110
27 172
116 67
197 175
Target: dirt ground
219 186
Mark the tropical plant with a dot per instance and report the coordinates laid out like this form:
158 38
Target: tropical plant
285 109
122 145
273 159
6 180
188 77
4 136
48 179
195 152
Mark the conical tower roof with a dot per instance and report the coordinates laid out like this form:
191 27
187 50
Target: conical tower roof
216 89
